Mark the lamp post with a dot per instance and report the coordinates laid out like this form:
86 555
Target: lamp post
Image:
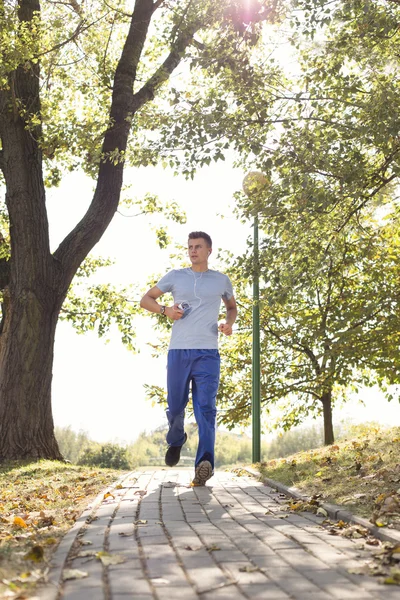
255 396
253 185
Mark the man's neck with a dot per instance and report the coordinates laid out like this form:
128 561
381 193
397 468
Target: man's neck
200 268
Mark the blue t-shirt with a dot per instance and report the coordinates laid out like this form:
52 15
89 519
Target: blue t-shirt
202 292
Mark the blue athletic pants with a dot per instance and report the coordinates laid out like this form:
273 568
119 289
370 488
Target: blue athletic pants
201 367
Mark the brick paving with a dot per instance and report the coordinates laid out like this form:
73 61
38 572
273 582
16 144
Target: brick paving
229 540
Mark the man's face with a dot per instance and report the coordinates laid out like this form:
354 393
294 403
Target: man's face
198 251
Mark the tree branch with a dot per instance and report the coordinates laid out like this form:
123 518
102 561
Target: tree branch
147 92
74 248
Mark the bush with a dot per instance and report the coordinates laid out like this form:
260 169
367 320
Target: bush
106 456
71 444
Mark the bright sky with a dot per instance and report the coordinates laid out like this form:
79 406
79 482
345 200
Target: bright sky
98 387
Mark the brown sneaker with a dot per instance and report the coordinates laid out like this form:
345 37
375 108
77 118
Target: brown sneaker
203 473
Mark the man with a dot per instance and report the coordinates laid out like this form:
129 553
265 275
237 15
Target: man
193 352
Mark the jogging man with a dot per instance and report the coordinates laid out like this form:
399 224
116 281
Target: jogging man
193 351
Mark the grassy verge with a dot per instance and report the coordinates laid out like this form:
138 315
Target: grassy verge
39 502
362 473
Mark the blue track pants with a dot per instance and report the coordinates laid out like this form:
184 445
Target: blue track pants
202 368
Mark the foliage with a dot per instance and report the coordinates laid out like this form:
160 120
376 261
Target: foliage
294 440
105 456
40 501
359 472
71 443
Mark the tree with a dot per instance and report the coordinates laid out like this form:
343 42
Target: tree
329 140
75 85
329 321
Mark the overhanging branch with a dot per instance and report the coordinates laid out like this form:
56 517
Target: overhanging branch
147 92
75 247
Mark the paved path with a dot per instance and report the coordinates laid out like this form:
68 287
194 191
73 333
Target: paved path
229 540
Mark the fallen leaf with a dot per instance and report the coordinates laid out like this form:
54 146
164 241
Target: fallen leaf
108 495
19 522
379 523
110 559
140 522
50 541
85 553
36 553
248 569
73 574
322 511
213 548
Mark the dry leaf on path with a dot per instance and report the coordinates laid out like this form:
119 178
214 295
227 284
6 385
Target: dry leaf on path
110 559
86 553
73 574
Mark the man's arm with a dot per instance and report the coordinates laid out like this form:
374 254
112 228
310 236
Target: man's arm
231 314
149 303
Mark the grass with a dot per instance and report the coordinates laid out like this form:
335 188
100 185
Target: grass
362 473
39 502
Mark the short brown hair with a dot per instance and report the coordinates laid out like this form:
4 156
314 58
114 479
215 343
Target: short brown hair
194 235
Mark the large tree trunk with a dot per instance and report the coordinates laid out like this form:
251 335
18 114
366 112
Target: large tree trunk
326 400
26 359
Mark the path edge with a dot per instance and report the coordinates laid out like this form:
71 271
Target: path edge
335 511
50 589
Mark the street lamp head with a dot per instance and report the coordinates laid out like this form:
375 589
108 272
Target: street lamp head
255 183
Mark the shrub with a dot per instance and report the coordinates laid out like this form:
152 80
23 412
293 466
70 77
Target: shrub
106 456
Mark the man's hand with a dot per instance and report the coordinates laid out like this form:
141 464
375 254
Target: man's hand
225 328
174 313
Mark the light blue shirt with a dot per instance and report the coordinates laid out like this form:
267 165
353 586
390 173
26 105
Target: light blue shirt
203 292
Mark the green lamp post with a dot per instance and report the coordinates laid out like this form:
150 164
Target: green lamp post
254 184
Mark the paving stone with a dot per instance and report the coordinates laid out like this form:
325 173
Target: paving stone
274 562
265 591
77 593
226 593
151 540
207 578
301 559
297 586
233 555
183 592
133 564
122 582
244 572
